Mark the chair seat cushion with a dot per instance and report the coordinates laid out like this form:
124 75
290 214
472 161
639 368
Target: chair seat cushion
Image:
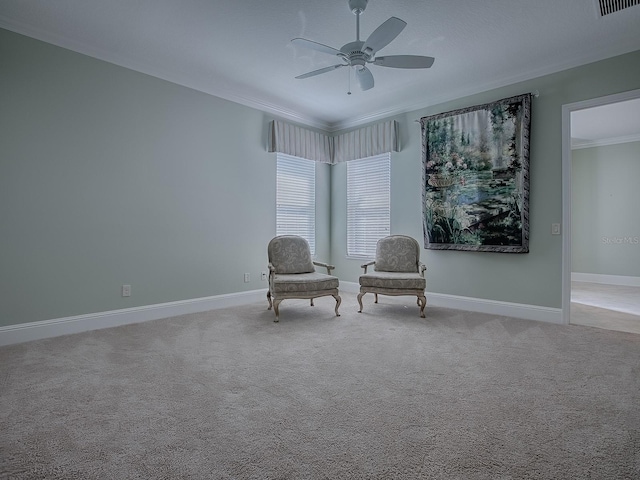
400 280
304 282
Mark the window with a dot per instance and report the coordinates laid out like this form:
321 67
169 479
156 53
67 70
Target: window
368 204
296 198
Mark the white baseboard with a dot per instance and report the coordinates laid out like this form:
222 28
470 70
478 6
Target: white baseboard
517 310
26 332
606 279
494 307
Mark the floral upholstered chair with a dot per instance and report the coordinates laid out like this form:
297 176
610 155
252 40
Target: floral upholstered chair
292 273
397 271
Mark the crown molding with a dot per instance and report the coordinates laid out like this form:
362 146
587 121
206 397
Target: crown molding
420 104
162 74
577 144
286 113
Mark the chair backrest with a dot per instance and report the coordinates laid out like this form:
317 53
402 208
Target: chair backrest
397 253
290 254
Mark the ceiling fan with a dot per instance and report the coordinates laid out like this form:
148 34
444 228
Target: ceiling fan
360 53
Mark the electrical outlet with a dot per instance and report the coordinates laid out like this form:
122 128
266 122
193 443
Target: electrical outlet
555 229
247 278
126 290
263 276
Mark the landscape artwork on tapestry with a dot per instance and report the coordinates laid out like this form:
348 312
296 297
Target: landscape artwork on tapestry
476 177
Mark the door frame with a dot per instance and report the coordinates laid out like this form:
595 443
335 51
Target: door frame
566 186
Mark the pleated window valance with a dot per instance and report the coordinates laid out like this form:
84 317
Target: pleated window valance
367 142
364 142
300 142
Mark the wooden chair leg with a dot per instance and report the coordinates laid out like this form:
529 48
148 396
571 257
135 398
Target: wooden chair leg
269 299
276 309
360 295
338 302
422 301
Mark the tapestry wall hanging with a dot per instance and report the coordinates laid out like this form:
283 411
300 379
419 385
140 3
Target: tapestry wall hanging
476 177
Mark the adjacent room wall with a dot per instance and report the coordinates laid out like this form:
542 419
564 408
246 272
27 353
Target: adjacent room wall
604 207
529 279
111 177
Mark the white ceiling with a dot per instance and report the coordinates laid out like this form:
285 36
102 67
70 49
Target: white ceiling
612 123
240 49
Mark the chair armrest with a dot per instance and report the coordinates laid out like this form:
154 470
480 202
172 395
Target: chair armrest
325 265
365 265
421 268
272 277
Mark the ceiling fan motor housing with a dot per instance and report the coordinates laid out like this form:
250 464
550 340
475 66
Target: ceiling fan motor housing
354 53
357 6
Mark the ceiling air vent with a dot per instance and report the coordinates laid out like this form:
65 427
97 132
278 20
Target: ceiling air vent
605 7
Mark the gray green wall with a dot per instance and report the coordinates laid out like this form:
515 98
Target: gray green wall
531 279
109 176
605 213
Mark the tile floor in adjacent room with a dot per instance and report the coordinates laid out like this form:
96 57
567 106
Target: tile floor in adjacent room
613 307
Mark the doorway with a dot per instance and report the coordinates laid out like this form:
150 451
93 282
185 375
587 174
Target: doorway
604 301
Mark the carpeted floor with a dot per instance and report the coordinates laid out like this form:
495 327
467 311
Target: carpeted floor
229 394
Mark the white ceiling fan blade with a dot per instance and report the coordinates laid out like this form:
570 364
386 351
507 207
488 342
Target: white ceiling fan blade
365 78
383 35
404 61
319 47
319 71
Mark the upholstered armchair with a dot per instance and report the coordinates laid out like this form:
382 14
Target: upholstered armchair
397 270
292 273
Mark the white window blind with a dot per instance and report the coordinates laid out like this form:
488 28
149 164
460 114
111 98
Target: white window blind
368 204
296 198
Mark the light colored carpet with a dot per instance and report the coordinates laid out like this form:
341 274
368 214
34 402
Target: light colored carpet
229 394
